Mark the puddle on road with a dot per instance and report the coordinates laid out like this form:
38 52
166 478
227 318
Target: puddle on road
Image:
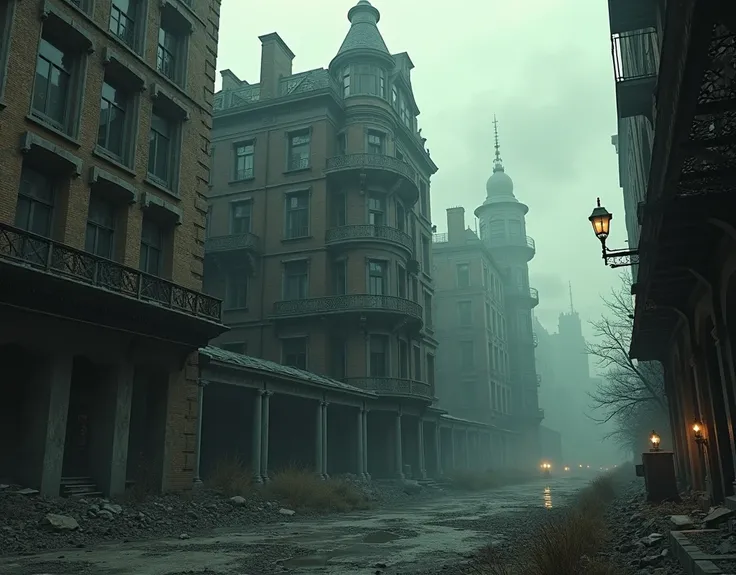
323 558
381 537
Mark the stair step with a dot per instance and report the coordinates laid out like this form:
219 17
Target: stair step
76 480
87 494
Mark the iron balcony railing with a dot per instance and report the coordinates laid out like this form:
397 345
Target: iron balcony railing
530 243
376 161
27 249
368 231
440 238
534 294
539 380
393 386
346 303
635 55
535 339
232 242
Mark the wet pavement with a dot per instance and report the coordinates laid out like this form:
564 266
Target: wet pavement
407 540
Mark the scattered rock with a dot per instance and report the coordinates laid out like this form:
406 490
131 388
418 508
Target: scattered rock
238 500
681 522
717 516
287 512
27 491
112 508
57 522
184 536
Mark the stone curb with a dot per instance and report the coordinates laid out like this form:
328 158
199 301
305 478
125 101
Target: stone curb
691 558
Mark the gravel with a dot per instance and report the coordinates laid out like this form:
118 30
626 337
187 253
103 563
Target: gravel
28 522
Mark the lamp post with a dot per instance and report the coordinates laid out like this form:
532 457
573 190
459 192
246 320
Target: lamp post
600 219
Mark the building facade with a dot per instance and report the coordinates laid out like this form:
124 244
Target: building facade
684 286
105 110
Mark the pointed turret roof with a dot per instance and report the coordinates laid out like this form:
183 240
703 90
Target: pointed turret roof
363 35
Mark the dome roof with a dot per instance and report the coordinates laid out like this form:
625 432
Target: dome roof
499 185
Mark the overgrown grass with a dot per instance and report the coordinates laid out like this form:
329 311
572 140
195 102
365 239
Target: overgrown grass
231 477
303 489
481 480
565 545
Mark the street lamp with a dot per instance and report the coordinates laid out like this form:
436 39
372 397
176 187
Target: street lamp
600 219
655 440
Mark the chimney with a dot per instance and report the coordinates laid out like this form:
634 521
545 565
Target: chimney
276 61
230 81
456 224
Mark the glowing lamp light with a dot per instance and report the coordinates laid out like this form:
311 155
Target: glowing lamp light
567 468
698 433
600 219
655 440
580 466
546 466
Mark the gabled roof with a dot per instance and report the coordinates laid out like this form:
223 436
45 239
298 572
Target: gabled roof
276 369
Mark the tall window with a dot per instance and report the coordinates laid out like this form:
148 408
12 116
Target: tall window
241 217
35 208
426 265
401 280
51 92
122 20
467 355
342 144
400 217
430 369
403 359
294 352
376 210
160 149
375 143
486 282
236 289
428 319
152 243
338 209
100 233
244 161
465 313
299 150
423 199
379 356
167 52
339 277
346 81
377 278
296 280
463 275
395 97
381 83
113 107
297 215
488 316
417 363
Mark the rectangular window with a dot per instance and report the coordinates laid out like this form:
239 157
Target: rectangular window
346 82
400 217
486 282
428 320
297 215
338 358
296 280
299 150
123 20
403 359
377 278
489 321
294 352
417 363
463 275
426 262
465 313
35 209
161 149
339 277
375 143
399 155
401 280
430 370
377 210
52 89
236 289
244 161
111 133
100 234
395 97
423 200
168 51
414 290
338 209
152 243
379 356
342 144
467 355
241 217
381 83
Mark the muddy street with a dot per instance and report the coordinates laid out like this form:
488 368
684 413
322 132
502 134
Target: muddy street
413 539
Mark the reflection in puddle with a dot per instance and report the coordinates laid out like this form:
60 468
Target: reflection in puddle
547 498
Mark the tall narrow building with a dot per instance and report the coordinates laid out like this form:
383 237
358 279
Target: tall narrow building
502 228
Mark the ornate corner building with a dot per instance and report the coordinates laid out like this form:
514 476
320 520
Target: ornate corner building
104 108
675 64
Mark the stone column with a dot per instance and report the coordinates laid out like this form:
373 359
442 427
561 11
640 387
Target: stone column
361 454
466 449
320 441
324 441
438 448
420 441
399 455
257 426
264 433
365 444
453 457
198 460
120 388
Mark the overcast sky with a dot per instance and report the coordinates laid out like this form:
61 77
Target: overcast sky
542 66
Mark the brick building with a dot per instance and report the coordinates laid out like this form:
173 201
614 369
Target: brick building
105 114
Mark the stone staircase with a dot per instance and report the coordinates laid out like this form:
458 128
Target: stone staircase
79 487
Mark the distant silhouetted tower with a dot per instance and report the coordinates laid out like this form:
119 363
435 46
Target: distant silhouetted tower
502 228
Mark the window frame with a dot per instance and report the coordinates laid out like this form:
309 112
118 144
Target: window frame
386 368
243 174
286 275
34 200
100 226
460 316
382 209
128 137
428 311
234 205
149 247
370 148
138 21
288 210
285 341
176 128
304 162
460 270
384 279
234 275
173 23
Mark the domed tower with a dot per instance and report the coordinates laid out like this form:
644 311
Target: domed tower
503 229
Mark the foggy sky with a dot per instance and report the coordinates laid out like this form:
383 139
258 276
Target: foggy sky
542 66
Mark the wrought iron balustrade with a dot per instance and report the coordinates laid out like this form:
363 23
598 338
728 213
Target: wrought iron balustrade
231 242
368 231
392 386
534 294
440 238
530 242
345 303
375 161
27 249
635 55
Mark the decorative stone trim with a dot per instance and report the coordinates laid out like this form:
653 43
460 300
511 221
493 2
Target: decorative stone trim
31 140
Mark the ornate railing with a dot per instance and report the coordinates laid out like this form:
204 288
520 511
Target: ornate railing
27 249
232 242
376 161
392 386
367 231
530 243
342 303
440 238
534 294
635 55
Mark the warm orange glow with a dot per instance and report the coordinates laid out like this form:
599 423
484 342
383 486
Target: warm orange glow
600 219
655 440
